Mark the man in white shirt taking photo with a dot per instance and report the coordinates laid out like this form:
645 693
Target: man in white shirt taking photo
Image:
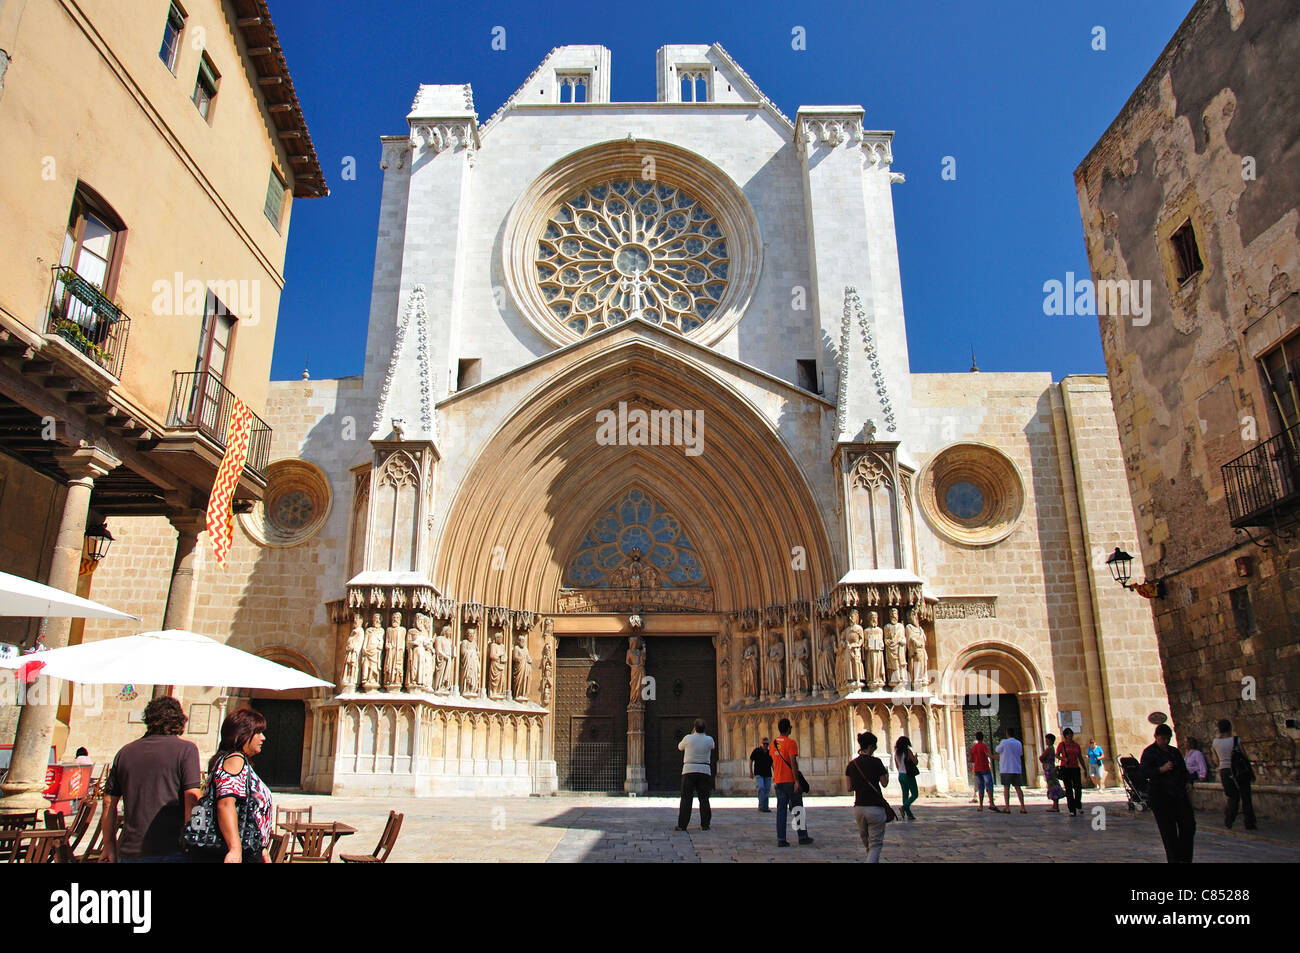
697 776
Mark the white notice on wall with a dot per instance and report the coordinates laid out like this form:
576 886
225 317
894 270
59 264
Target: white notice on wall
1070 719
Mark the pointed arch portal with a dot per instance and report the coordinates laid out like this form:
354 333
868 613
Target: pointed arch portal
539 486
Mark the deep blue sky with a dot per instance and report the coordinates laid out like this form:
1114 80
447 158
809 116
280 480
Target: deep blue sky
1012 90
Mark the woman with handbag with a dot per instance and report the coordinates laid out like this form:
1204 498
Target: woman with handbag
232 823
1048 760
1235 774
906 764
865 776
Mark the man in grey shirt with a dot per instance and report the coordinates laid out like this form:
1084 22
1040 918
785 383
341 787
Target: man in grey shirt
697 776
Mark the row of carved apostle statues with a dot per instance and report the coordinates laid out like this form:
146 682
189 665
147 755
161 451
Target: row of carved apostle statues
398 659
870 658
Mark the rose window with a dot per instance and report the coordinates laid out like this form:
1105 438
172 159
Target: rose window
630 248
294 507
293 511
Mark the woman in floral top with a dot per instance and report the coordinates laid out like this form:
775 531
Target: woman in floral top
241 796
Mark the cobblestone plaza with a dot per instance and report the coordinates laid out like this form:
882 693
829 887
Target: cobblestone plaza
595 829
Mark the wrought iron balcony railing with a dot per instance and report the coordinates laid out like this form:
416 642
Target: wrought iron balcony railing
201 402
1264 481
79 313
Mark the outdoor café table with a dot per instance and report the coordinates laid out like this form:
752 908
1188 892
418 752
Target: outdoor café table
335 830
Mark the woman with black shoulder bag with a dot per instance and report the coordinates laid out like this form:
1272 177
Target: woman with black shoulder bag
865 776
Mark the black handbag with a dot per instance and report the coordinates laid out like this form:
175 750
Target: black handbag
1241 769
203 833
890 814
913 769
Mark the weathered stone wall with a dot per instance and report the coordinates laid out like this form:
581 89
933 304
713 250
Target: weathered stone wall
1061 625
1208 137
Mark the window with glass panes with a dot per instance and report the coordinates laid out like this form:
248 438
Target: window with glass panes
274 198
90 242
171 41
205 87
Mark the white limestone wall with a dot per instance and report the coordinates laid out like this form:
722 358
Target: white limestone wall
746 143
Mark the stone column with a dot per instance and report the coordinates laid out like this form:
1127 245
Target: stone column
26 780
179 613
636 780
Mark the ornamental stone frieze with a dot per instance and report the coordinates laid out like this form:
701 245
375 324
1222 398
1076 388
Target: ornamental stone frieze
829 130
631 600
967 607
439 137
395 153
877 149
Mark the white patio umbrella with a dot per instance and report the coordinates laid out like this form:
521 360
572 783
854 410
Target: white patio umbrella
170 657
22 597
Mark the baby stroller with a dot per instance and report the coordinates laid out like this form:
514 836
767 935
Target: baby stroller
1135 783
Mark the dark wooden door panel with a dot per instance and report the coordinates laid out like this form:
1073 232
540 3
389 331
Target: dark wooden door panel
280 762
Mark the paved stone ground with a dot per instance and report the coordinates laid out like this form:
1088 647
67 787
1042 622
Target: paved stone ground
574 829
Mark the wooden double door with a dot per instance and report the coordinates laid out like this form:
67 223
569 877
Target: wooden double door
592 693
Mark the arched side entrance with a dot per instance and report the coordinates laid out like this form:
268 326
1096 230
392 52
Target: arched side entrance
284 763
992 686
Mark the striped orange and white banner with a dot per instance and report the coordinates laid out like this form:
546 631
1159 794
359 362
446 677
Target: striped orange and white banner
221 515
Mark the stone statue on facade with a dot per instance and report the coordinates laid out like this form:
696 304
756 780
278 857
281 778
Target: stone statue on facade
498 682
896 651
470 667
521 667
749 670
635 659
826 679
394 643
548 667
917 655
799 664
875 654
372 654
851 638
352 655
414 662
776 667
442 662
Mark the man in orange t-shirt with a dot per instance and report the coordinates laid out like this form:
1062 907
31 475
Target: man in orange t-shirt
785 768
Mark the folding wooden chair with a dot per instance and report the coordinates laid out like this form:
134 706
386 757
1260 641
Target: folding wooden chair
43 846
11 848
279 847
95 849
291 815
312 845
385 846
81 822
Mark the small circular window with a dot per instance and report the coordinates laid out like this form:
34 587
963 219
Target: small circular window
972 493
294 508
964 500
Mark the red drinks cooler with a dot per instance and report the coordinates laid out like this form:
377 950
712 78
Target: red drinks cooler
66 785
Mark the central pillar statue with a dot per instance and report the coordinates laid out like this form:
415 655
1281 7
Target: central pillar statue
636 658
